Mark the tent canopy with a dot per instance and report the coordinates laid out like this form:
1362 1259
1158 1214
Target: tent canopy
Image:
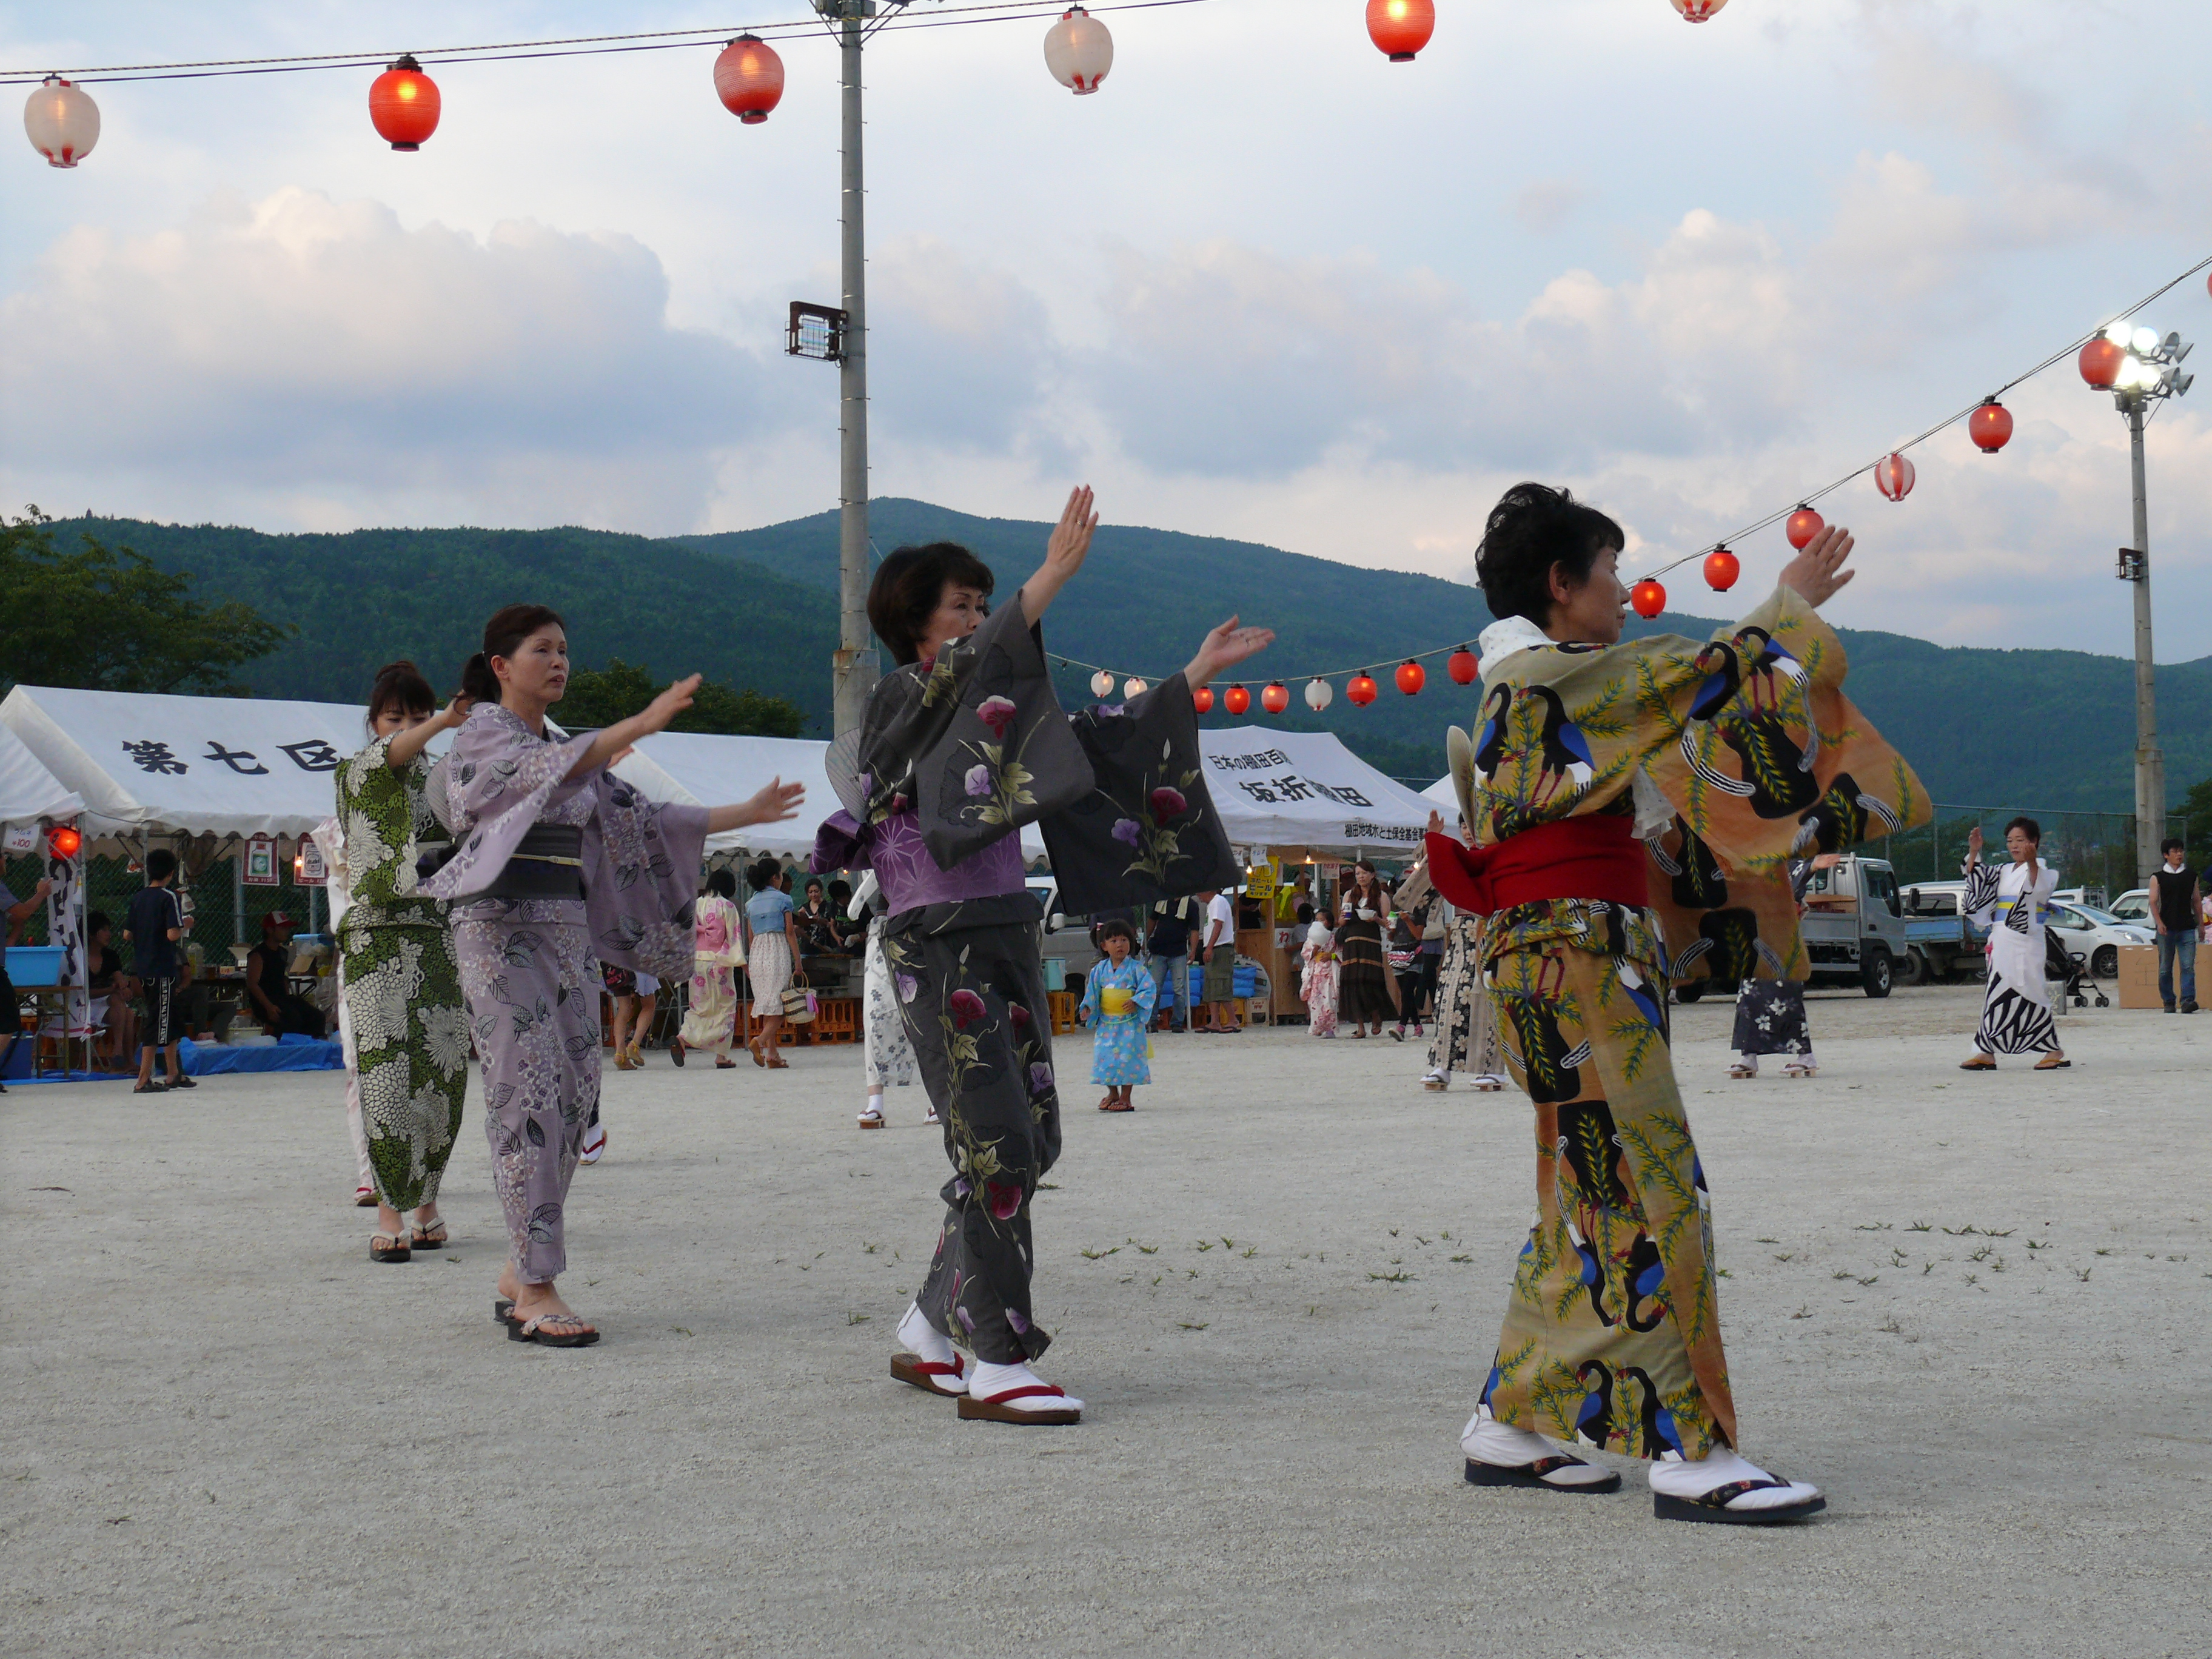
1279 788
29 791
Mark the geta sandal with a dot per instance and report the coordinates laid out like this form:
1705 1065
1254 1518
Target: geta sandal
1000 1409
1740 1070
388 1247
1532 1475
2050 1063
913 1370
1979 1063
1714 1506
432 1238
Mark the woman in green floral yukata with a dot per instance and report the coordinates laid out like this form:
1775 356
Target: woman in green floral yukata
402 990
1594 758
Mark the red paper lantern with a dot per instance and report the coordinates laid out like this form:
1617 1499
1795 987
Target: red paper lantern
1647 597
1894 476
1400 28
1276 698
748 79
1202 699
2100 361
1804 524
1462 666
1236 699
1721 568
1412 676
1989 426
403 104
1360 690
66 841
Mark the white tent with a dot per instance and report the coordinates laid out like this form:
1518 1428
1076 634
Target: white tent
1444 794
1279 788
27 791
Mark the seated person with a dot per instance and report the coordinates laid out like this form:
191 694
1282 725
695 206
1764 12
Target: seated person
852 936
114 994
816 921
282 1013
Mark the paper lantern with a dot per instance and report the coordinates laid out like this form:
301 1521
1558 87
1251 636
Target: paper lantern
1202 699
1721 568
1989 426
1894 476
61 120
1698 11
1078 51
1133 687
1236 699
1360 690
1412 676
1102 684
1400 28
1276 698
1647 597
1462 666
1804 524
66 841
2101 360
748 79
403 104
1318 693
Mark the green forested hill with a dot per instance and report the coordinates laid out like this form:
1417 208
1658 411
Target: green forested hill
758 608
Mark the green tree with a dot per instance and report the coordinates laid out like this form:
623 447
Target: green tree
103 619
597 697
2196 820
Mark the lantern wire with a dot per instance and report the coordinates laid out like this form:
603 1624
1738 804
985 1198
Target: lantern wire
2058 357
581 45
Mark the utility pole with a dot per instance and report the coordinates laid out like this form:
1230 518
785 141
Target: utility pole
854 669
2150 762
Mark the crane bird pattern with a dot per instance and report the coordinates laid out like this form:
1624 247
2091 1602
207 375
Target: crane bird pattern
1613 1335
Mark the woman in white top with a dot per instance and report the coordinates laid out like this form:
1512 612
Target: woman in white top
2013 902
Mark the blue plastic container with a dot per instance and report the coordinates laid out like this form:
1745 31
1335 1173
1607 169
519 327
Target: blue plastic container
34 964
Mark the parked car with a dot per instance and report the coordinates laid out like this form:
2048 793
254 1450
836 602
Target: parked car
2096 935
2134 905
1940 944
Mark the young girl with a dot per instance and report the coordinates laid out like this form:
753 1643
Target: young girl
1117 1002
1318 984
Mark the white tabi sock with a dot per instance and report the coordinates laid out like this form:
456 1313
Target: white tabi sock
990 1380
1674 1477
1487 1440
923 1339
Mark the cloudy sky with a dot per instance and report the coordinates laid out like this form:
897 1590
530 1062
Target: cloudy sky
1264 285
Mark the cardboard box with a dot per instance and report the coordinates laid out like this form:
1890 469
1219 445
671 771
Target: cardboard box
2138 976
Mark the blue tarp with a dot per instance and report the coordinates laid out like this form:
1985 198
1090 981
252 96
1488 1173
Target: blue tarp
1247 985
289 1054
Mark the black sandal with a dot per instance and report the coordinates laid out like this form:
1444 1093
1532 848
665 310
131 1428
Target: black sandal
1714 1506
533 1330
1532 1475
676 1049
422 1239
396 1250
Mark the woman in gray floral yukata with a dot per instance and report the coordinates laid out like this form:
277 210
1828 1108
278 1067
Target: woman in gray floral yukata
557 864
963 743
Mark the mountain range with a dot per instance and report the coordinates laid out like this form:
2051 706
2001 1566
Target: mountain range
2049 730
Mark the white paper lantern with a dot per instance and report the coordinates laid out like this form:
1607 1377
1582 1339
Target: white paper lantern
1318 693
1133 687
1078 51
1102 684
62 121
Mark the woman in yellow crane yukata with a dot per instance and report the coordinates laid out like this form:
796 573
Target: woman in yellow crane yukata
1589 754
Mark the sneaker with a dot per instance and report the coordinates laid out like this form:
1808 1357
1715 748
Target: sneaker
2190 1006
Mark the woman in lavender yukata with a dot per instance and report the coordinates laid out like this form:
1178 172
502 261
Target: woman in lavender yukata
557 867
962 742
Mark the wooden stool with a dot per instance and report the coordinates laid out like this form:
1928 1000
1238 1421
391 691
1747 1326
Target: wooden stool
1063 1005
836 1019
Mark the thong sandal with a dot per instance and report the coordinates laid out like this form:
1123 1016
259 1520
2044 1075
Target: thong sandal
1532 1475
388 1247
534 1330
502 1311
779 1064
1119 1106
1714 1506
1979 1063
753 1048
913 1370
432 1238
1000 1407
2049 1064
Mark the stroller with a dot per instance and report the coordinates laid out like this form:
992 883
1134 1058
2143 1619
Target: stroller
2069 972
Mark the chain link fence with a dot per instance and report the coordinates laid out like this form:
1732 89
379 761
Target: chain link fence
215 895
2091 850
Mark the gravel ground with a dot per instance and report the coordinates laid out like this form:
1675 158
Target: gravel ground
1277 1285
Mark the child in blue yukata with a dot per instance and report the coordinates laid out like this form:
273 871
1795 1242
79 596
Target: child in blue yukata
1117 1003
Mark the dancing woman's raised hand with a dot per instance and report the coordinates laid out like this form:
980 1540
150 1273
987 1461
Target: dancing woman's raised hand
1818 572
1224 648
774 804
1063 554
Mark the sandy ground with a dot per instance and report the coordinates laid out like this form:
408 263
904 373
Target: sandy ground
1972 1307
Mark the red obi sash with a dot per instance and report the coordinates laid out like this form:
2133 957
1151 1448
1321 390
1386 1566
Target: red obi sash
1593 857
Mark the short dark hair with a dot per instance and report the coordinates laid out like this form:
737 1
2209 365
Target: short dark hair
400 686
94 920
910 584
1532 528
161 864
1115 927
503 635
723 885
2172 844
760 876
840 890
815 881
2027 826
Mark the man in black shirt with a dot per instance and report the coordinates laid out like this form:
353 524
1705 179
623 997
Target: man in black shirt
1169 945
154 929
2173 910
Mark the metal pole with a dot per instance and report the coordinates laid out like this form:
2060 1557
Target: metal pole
2150 763
853 670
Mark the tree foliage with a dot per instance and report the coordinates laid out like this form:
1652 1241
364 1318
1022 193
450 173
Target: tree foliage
2196 820
599 697
103 619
